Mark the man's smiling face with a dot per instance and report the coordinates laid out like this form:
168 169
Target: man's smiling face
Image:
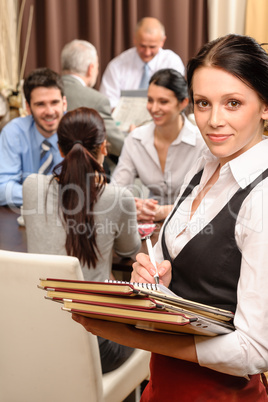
47 107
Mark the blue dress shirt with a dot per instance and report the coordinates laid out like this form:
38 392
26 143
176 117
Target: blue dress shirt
20 146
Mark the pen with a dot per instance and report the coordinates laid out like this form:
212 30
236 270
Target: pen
151 255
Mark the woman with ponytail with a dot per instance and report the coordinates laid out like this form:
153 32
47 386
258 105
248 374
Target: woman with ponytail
75 212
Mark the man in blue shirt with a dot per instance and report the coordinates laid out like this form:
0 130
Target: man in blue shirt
21 141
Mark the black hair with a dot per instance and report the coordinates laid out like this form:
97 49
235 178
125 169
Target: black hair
173 80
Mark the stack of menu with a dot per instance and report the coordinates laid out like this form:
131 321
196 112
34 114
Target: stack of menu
146 306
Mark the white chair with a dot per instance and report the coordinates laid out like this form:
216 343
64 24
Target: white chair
44 354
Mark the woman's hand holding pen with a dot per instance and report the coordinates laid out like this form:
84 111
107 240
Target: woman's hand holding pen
144 271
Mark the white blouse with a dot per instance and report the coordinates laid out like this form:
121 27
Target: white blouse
139 158
245 351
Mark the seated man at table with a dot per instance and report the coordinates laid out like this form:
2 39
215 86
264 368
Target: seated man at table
29 144
133 68
80 68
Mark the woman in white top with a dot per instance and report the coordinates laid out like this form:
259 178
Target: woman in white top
213 246
75 212
162 152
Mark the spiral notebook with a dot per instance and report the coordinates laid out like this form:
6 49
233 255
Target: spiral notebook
147 306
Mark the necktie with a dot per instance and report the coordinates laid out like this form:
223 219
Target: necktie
145 77
46 158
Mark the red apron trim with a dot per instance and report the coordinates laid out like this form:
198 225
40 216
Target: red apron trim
178 380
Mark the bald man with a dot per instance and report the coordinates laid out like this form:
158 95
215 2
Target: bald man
133 68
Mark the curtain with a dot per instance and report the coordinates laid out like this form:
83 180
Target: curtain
226 16
109 25
9 74
256 20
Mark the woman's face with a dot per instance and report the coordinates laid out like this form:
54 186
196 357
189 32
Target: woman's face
163 105
228 112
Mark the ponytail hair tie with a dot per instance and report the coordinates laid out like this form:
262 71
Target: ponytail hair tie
78 142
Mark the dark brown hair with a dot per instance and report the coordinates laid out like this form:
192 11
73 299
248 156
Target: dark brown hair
239 55
42 77
81 179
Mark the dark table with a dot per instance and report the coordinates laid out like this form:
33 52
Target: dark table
125 264
13 238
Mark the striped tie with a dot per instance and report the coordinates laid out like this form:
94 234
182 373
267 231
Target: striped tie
46 158
145 77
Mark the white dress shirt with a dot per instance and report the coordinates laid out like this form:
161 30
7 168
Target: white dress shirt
125 71
139 158
245 351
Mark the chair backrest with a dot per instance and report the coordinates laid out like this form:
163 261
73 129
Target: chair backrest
44 354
